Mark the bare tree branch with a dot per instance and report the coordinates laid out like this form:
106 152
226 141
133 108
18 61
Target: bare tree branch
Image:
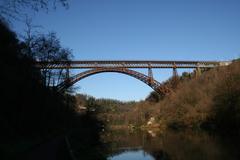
14 9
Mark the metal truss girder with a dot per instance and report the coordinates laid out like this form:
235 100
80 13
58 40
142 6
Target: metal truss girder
128 64
140 76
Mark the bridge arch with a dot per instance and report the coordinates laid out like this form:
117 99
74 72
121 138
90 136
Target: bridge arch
155 85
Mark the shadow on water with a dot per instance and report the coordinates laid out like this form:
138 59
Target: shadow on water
88 142
170 145
81 142
84 142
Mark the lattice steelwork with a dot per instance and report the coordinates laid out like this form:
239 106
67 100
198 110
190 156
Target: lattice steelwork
123 67
128 64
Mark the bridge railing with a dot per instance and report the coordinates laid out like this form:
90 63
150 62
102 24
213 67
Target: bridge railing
128 64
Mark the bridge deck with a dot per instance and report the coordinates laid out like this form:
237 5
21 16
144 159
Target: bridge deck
128 64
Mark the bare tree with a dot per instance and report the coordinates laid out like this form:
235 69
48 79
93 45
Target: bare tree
28 37
47 47
15 8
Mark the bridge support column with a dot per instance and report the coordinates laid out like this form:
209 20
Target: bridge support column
67 79
175 74
198 71
150 74
175 78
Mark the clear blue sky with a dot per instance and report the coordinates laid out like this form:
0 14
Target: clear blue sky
143 30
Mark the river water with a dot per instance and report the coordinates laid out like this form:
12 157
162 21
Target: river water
170 145
140 145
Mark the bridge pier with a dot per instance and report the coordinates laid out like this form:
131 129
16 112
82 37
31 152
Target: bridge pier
150 74
198 71
175 74
67 74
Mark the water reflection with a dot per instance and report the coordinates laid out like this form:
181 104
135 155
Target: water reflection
170 145
133 155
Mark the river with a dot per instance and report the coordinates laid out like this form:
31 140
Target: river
171 145
139 145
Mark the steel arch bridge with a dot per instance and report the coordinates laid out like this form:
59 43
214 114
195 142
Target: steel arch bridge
155 85
125 67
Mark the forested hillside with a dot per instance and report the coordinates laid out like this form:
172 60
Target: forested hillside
209 101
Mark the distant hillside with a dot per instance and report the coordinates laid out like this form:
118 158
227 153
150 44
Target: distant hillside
211 100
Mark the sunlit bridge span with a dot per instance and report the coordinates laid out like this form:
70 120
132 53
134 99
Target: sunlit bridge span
125 67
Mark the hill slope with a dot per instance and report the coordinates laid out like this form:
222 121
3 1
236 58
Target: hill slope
211 100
